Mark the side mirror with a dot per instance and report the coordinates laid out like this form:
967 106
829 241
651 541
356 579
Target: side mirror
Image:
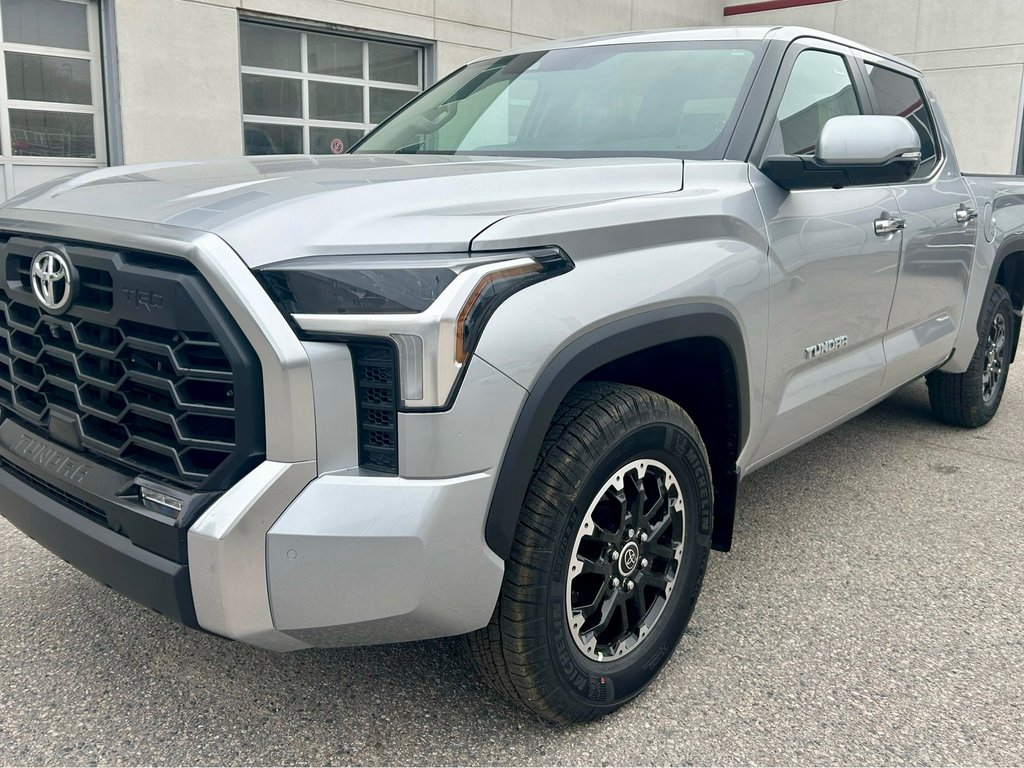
852 150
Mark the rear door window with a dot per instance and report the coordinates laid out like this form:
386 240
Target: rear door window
898 94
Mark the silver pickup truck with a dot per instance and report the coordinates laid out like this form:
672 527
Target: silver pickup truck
500 369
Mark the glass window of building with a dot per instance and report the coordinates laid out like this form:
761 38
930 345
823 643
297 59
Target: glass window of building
316 93
51 91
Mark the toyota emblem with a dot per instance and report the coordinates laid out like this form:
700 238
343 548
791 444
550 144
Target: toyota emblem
53 281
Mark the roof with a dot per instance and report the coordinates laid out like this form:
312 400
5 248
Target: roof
784 34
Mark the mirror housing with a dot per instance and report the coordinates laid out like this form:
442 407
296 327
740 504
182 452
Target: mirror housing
852 150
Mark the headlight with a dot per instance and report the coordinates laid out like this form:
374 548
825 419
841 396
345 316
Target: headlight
433 308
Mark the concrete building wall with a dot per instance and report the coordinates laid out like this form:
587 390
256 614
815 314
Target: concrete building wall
971 50
178 60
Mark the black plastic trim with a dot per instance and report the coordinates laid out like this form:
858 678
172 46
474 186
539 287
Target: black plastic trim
1010 245
580 357
98 552
377 355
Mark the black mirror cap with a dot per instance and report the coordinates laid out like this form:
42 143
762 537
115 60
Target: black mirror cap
805 172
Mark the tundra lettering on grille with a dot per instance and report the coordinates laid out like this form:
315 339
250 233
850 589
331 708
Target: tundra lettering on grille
51 459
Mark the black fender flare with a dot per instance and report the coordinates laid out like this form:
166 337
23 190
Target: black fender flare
1011 244
585 354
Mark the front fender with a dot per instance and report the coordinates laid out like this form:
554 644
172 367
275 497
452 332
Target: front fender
581 356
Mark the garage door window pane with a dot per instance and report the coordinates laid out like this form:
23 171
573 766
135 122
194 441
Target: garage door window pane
336 88
52 134
50 23
331 101
271 47
332 141
276 96
383 102
335 56
32 77
267 139
394 63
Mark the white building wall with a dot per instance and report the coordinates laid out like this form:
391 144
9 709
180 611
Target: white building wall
971 50
178 60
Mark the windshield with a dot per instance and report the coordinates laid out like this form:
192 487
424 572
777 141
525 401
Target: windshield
654 98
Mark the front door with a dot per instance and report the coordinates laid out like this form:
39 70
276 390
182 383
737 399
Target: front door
832 275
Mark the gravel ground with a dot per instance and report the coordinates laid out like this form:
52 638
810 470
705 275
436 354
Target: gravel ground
872 611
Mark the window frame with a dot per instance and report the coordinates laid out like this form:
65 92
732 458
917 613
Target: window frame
760 146
862 60
94 55
304 121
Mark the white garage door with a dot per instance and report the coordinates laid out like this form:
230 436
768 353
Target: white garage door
51 91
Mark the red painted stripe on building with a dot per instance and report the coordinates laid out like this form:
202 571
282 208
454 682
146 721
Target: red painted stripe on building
770 5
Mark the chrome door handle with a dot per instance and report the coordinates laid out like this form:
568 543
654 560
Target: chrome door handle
965 215
889 224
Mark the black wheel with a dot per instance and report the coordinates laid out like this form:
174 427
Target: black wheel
971 399
608 556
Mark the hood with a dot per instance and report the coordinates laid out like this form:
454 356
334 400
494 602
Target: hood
274 208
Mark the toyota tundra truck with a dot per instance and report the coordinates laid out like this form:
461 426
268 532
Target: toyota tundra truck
499 370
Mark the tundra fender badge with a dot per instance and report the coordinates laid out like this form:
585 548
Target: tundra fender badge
824 347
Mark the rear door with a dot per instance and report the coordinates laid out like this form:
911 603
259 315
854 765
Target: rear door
939 239
832 276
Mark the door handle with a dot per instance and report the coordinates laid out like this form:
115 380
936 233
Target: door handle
965 214
887 225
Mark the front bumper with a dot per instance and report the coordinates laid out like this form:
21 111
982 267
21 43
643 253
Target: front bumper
306 549
108 557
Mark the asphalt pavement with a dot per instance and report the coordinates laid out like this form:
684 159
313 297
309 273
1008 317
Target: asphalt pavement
872 611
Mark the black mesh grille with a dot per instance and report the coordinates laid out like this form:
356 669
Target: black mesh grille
145 372
377 399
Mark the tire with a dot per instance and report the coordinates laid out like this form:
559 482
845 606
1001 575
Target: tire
971 398
607 441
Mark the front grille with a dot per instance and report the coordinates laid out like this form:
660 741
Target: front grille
377 405
145 372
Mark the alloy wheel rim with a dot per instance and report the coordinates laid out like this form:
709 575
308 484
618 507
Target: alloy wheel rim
626 558
995 346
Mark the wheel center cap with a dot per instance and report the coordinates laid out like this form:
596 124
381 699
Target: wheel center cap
629 558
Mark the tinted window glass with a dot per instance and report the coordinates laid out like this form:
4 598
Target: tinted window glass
51 23
901 95
52 134
819 89
270 47
334 101
394 63
276 96
31 77
335 56
332 141
267 139
384 101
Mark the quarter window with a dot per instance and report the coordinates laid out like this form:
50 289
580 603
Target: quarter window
51 107
901 95
819 89
315 93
